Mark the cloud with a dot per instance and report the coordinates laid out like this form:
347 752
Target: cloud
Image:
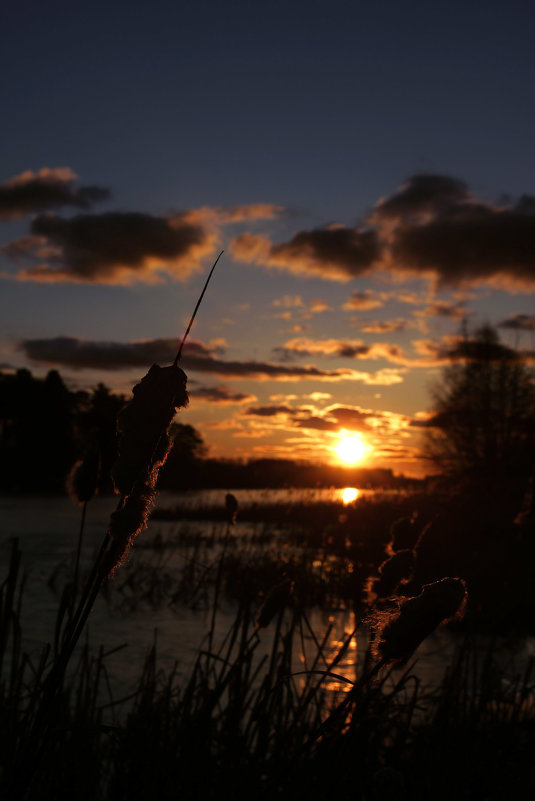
468 243
317 306
289 302
87 354
383 326
334 252
421 195
432 228
347 349
442 308
350 418
221 215
519 322
83 354
113 248
220 395
315 423
269 411
363 300
49 188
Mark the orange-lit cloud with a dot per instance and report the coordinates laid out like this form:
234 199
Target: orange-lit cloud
334 252
118 247
231 215
355 349
364 300
442 308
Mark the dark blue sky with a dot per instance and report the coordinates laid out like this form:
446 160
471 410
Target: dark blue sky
321 108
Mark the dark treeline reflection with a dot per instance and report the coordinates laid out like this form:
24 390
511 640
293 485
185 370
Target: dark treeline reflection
45 428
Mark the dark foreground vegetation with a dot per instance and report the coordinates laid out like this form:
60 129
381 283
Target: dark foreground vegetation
246 723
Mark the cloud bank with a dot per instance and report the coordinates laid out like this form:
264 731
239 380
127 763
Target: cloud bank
197 358
431 227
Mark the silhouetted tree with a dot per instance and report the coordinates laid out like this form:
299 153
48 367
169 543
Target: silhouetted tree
484 411
96 425
181 469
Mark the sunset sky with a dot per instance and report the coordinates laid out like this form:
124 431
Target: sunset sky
368 169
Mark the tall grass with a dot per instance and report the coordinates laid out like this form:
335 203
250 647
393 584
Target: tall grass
246 722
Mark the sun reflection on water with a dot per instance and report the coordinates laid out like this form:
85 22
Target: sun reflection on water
350 494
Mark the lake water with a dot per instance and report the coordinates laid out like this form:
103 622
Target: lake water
47 529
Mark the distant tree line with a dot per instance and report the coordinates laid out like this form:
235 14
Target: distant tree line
45 427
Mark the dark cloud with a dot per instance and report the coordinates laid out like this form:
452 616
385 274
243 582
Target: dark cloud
47 189
262 371
335 252
431 227
220 395
317 424
519 322
350 418
382 326
115 247
268 411
474 244
335 419
80 354
83 354
421 195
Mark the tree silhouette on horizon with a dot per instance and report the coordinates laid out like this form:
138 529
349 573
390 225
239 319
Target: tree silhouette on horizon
483 423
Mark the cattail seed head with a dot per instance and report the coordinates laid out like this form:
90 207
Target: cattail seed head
276 600
143 425
393 572
402 632
82 481
231 505
125 524
404 534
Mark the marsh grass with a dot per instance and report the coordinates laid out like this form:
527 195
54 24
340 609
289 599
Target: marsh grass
247 722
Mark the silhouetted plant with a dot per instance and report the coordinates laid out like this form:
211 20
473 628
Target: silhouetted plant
483 426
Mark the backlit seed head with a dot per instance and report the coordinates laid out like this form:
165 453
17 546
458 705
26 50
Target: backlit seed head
82 481
393 572
402 632
125 525
231 505
143 425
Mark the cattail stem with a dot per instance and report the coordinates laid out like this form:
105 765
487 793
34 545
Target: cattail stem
77 558
188 329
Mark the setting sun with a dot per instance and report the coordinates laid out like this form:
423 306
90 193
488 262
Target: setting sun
351 448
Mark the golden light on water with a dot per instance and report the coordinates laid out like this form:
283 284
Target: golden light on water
350 494
351 448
